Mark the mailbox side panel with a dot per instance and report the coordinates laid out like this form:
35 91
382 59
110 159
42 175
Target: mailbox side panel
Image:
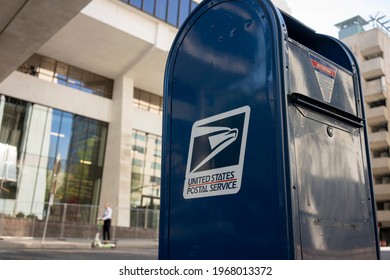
223 195
336 213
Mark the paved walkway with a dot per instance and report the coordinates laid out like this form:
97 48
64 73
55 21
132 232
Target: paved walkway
70 243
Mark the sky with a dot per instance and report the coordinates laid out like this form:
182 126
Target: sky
323 15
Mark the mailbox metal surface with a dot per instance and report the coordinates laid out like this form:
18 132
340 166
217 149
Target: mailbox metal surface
265 151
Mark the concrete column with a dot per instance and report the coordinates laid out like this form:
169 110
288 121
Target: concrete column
117 164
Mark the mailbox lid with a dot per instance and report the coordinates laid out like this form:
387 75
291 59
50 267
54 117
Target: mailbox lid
319 78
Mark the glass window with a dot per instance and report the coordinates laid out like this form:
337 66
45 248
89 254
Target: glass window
156 165
61 73
155 103
138 149
11 133
87 81
139 136
13 117
149 6
161 9
136 177
154 179
148 165
102 135
147 101
87 183
109 88
136 97
25 142
99 85
137 162
84 158
31 66
184 11
74 77
92 143
46 68
136 3
55 135
136 183
173 10
65 135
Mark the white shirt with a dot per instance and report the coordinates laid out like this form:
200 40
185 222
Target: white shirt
107 213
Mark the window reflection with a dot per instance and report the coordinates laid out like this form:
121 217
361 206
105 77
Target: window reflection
148 7
146 169
32 136
173 12
184 11
136 3
147 101
58 72
12 115
161 9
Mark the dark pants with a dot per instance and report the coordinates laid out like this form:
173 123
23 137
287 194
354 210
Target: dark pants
106 229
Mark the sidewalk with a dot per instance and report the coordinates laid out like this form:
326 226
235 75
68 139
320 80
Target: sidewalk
70 243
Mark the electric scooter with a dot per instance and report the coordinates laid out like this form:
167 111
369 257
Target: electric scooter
99 244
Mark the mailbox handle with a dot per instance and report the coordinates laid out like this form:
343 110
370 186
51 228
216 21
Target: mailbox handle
326 109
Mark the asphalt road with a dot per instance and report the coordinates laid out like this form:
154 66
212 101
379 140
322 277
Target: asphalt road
78 254
91 254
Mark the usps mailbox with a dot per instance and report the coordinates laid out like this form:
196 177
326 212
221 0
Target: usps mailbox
265 152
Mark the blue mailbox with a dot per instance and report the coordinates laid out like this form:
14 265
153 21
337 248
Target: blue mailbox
265 151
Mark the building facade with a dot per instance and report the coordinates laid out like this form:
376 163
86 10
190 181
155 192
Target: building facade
81 87
372 50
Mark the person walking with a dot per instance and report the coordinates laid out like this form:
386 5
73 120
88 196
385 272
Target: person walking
107 216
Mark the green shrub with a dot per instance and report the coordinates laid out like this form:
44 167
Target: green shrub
20 215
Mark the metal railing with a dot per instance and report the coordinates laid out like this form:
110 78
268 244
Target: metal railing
75 221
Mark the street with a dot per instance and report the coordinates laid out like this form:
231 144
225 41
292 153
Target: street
78 254
92 254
